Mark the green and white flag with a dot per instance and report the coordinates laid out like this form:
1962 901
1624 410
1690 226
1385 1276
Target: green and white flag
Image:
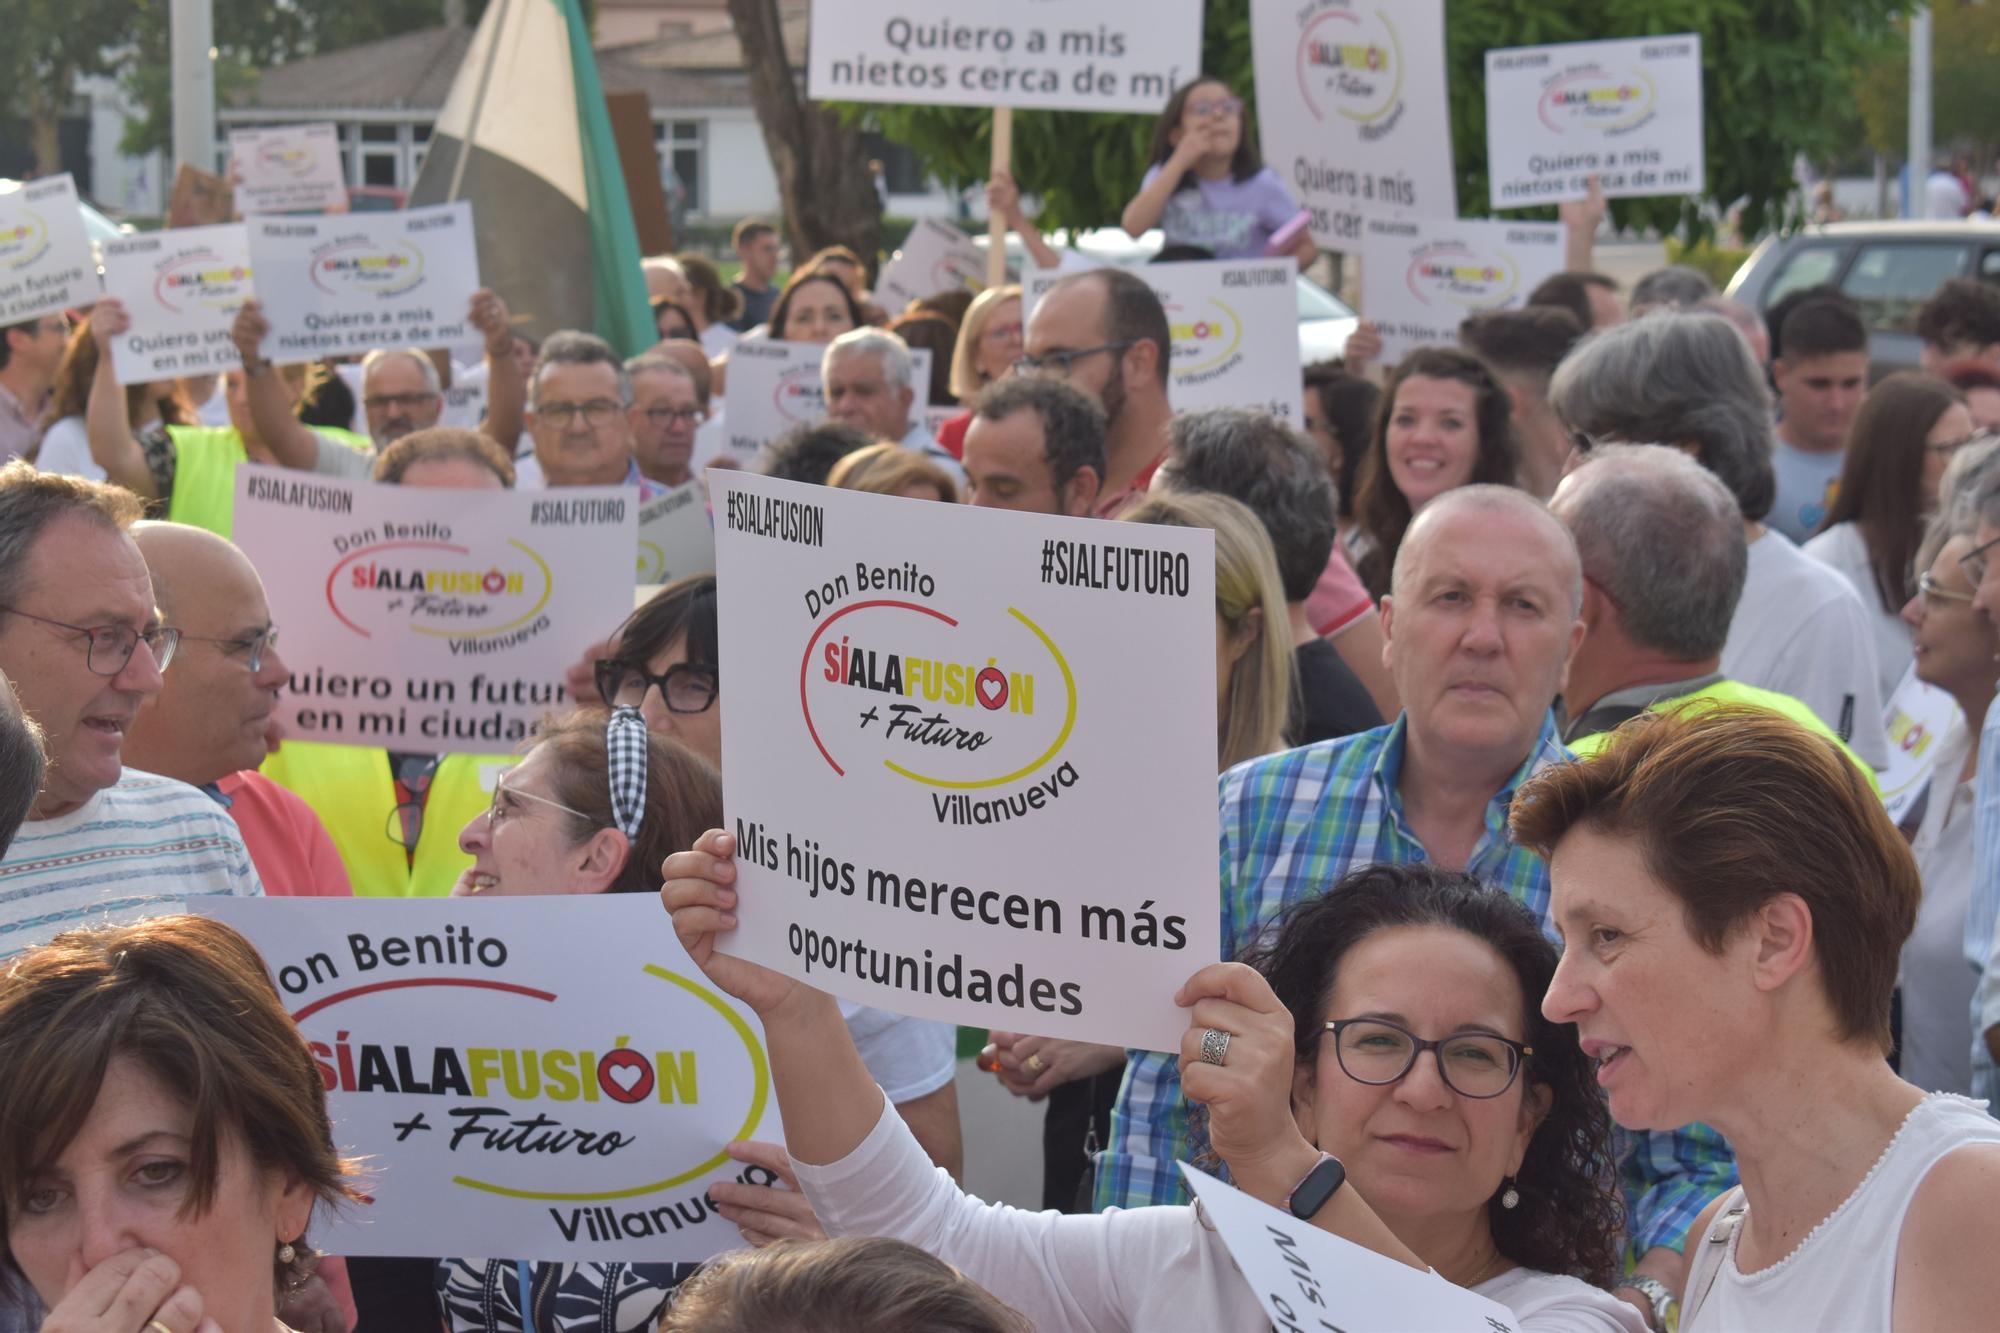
525 137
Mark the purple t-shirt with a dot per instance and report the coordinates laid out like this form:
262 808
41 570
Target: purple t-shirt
1234 219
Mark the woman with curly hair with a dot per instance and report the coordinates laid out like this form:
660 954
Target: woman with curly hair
1387 1057
1445 422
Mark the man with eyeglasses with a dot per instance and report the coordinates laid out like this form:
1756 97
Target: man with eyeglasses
1482 623
579 411
29 354
1664 559
84 645
666 412
211 725
1106 333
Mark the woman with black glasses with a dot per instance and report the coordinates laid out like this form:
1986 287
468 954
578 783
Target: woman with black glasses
1383 1069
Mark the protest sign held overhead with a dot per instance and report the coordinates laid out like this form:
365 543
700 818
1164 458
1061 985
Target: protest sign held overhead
774 386
45 259
1420 280
183 289
287 169
675 537
1627 112
936 257
1353 112
1235 330
1081 55
343 285
934 727
548 1078
1306 1278
412 625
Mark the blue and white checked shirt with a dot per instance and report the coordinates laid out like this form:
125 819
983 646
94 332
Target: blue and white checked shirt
1294 823
1985 905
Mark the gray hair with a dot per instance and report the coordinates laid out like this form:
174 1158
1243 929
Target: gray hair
1676 285
411 354
1489 497
1747 321
893 352
649 363
31 500
1968 495
1251 457
1676 378
1661 535
573 347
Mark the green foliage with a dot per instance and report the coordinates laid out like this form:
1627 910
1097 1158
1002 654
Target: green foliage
1719 262
1772 71
1965 97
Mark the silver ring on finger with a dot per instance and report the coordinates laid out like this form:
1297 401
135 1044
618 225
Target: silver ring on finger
1214 1046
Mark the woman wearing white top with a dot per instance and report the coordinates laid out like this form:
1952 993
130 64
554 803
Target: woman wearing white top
65 442
1733 898
1905 433
1955 648
1456 1161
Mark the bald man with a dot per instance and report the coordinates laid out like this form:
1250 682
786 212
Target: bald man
1481 623
211 725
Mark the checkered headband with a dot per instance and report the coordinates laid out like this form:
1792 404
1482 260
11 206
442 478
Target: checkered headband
625 756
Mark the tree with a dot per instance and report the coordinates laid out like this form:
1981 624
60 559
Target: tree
1770 72
1965 98
827 189
50 44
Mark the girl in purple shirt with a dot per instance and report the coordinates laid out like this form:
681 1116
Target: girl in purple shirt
1207 187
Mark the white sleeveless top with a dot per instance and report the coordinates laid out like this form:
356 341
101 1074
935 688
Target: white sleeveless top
1843 1274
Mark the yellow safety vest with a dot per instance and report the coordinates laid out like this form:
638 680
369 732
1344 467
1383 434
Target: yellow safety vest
353 791
1736 692
205 459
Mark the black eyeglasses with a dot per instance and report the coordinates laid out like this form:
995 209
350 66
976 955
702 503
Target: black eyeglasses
1060 364
256 645
597 412
666 416
112 646
686 687
1473 1064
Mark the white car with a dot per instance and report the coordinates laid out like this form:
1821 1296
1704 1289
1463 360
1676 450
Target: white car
1325 321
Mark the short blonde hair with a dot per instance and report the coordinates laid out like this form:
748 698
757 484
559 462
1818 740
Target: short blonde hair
966 381
1246 578
890 469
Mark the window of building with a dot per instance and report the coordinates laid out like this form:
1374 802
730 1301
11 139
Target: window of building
682 145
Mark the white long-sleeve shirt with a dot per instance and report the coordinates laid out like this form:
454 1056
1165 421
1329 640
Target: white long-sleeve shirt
1147 1270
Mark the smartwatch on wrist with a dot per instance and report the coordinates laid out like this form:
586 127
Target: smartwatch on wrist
1310 1195
1666 1310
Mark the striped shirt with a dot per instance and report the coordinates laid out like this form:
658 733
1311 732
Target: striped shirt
1292 824
139 848
1985 905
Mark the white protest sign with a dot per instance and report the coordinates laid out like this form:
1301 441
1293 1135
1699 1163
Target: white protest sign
288 169
1916 717
183 288
1235 329
417 625
774 386
1353 110
937 257
45 259
338 285
1308 1279
1628 112
675 537
1421 279
1080 55
934 724
545 1078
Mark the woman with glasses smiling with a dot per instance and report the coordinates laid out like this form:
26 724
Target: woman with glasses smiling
1382 1069
593 807
1905 433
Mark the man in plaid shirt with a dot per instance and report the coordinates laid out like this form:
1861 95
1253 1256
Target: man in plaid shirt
1481 624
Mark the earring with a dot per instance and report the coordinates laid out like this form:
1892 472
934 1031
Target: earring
286 1253
1510 1197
